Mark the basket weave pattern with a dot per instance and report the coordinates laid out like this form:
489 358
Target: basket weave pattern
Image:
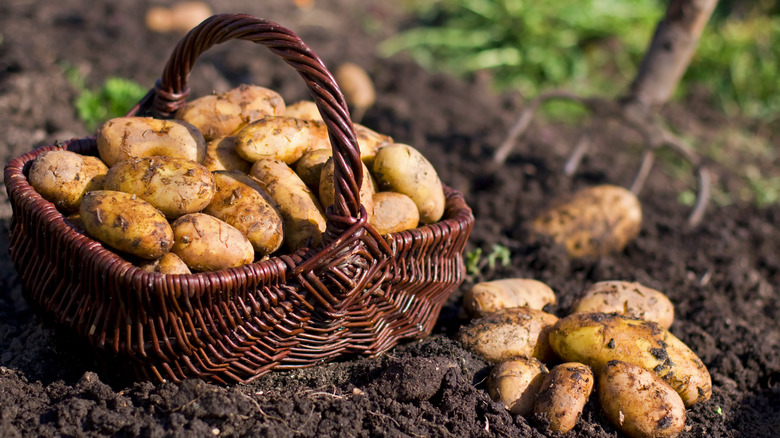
358 293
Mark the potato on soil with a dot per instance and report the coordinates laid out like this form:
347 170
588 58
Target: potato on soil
491 296
309 167
123 138
327 188
243 203
180 17
638 402
221 155
304 110
597 338
357 86
63 177
126 223
516 382
206 243
280 138
627 298
593 222
563 395
170 263
393 212
401 168
175 186
508 333
304 221
220 115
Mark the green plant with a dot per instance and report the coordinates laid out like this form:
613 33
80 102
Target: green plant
113 98
475 263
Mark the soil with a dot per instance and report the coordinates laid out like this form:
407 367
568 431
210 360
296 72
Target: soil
722 276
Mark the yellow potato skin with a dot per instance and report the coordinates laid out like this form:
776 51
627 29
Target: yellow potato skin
304 221
369 142
597 338
63 177
224 114
170 263
562 396
221 155
627 298
126 223
491 296
508 333
309 167
123 138
206 243
639 403
175 186
592 222
304 110
280 138
327 189
243 203
516 382
401 168
393 212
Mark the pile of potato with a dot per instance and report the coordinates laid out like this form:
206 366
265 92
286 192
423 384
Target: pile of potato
232 179
616 337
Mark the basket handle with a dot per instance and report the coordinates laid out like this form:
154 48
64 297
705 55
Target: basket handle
171 91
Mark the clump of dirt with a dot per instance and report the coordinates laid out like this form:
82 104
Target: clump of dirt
722 277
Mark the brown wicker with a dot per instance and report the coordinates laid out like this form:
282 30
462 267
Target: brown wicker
357 293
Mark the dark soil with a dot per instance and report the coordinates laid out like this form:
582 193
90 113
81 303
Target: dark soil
722 277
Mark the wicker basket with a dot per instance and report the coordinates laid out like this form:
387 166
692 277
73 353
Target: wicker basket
357 293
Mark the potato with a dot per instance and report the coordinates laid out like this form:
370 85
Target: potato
593 222
180 17
639 403
597 338
507 333
562 396
304 110
491 296
123 138
175 186
328 191
401 168
126 223
357 87
206 243
242 203
515 383
369 142
627 298
309 167
62 177
220 115
170 263
221 155
304 221
393 212
280 138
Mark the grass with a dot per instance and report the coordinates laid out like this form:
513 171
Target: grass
114 98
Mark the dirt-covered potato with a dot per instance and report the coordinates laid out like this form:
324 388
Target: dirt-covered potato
126 223
327 188
401 168
515 383
243 203
206 243
562 396
280 138
175 186
592 222
639 403
597 338
304 110
491 296
221 155
393 212
62 177
304 221
627 298
309 167
220 115
170 263
508 333
123 138
369 142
